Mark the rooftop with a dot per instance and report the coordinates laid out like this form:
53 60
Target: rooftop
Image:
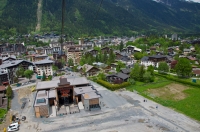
83 90
53 84
43 62
91 95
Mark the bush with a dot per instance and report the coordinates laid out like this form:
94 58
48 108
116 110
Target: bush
113 87
9 92
50 77
178 80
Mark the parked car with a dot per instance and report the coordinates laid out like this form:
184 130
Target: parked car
23 118
23 105
13 127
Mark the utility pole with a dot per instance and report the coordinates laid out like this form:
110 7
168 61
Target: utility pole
62 28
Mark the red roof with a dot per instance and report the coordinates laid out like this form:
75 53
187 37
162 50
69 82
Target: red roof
2 88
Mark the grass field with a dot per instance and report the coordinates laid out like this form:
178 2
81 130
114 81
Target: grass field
2 113
182 98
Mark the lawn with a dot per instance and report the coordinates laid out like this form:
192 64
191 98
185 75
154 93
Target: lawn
2 113
182 98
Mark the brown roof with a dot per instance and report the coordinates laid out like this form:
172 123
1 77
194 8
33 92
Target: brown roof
2 88
196 72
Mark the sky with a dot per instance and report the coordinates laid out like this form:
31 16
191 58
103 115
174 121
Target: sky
195 0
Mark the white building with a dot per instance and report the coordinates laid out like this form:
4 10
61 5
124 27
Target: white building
44 66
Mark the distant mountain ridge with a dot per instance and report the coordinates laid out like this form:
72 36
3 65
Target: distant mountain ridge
116 17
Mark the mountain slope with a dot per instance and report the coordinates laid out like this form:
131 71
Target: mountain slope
116 17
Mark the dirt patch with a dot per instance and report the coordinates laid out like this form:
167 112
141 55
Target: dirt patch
172 91
141 120
24 93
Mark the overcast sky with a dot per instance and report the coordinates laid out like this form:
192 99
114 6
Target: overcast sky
195 0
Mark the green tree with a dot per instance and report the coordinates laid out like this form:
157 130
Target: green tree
138 55
163 67
28 74
20 71
135 72
16 80
120 65
151 70
55 68
9 92
148 77
70 62
105 58
121 46
44 76
141 73
111 58
183 68
101 76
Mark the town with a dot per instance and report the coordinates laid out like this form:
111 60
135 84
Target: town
85 84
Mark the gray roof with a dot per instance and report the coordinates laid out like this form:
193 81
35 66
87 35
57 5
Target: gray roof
54 83
12 63
43 62
91 95
120 75
82 90
145 58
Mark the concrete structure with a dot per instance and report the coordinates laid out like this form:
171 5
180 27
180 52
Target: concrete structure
64 92
44 66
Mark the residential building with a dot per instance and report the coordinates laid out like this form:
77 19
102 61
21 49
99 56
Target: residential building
153 60
117 78
74 54
89 70
186 51
3 99
10 68
44 66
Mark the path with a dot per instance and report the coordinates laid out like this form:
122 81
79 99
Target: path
39 15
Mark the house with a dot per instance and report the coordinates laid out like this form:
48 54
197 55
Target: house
196 72
44 67
10 67
99 64
153 60
186 51
117 78
131 49
92 52
105 50
126 71
64 96
31 46
39 50
89 70
3 77
153 48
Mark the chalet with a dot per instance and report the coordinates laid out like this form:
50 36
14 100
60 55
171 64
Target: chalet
93 52
153 48
89 70
117 78
39 50
186 51
10 68
125 71
105 50
153 60
196 72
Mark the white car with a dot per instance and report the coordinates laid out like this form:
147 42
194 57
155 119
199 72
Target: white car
13 127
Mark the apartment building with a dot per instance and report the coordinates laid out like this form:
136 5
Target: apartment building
44 66
74 54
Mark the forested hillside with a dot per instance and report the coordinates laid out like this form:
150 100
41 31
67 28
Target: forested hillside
116 17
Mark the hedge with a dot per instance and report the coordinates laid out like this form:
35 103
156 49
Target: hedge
178 80
112 87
